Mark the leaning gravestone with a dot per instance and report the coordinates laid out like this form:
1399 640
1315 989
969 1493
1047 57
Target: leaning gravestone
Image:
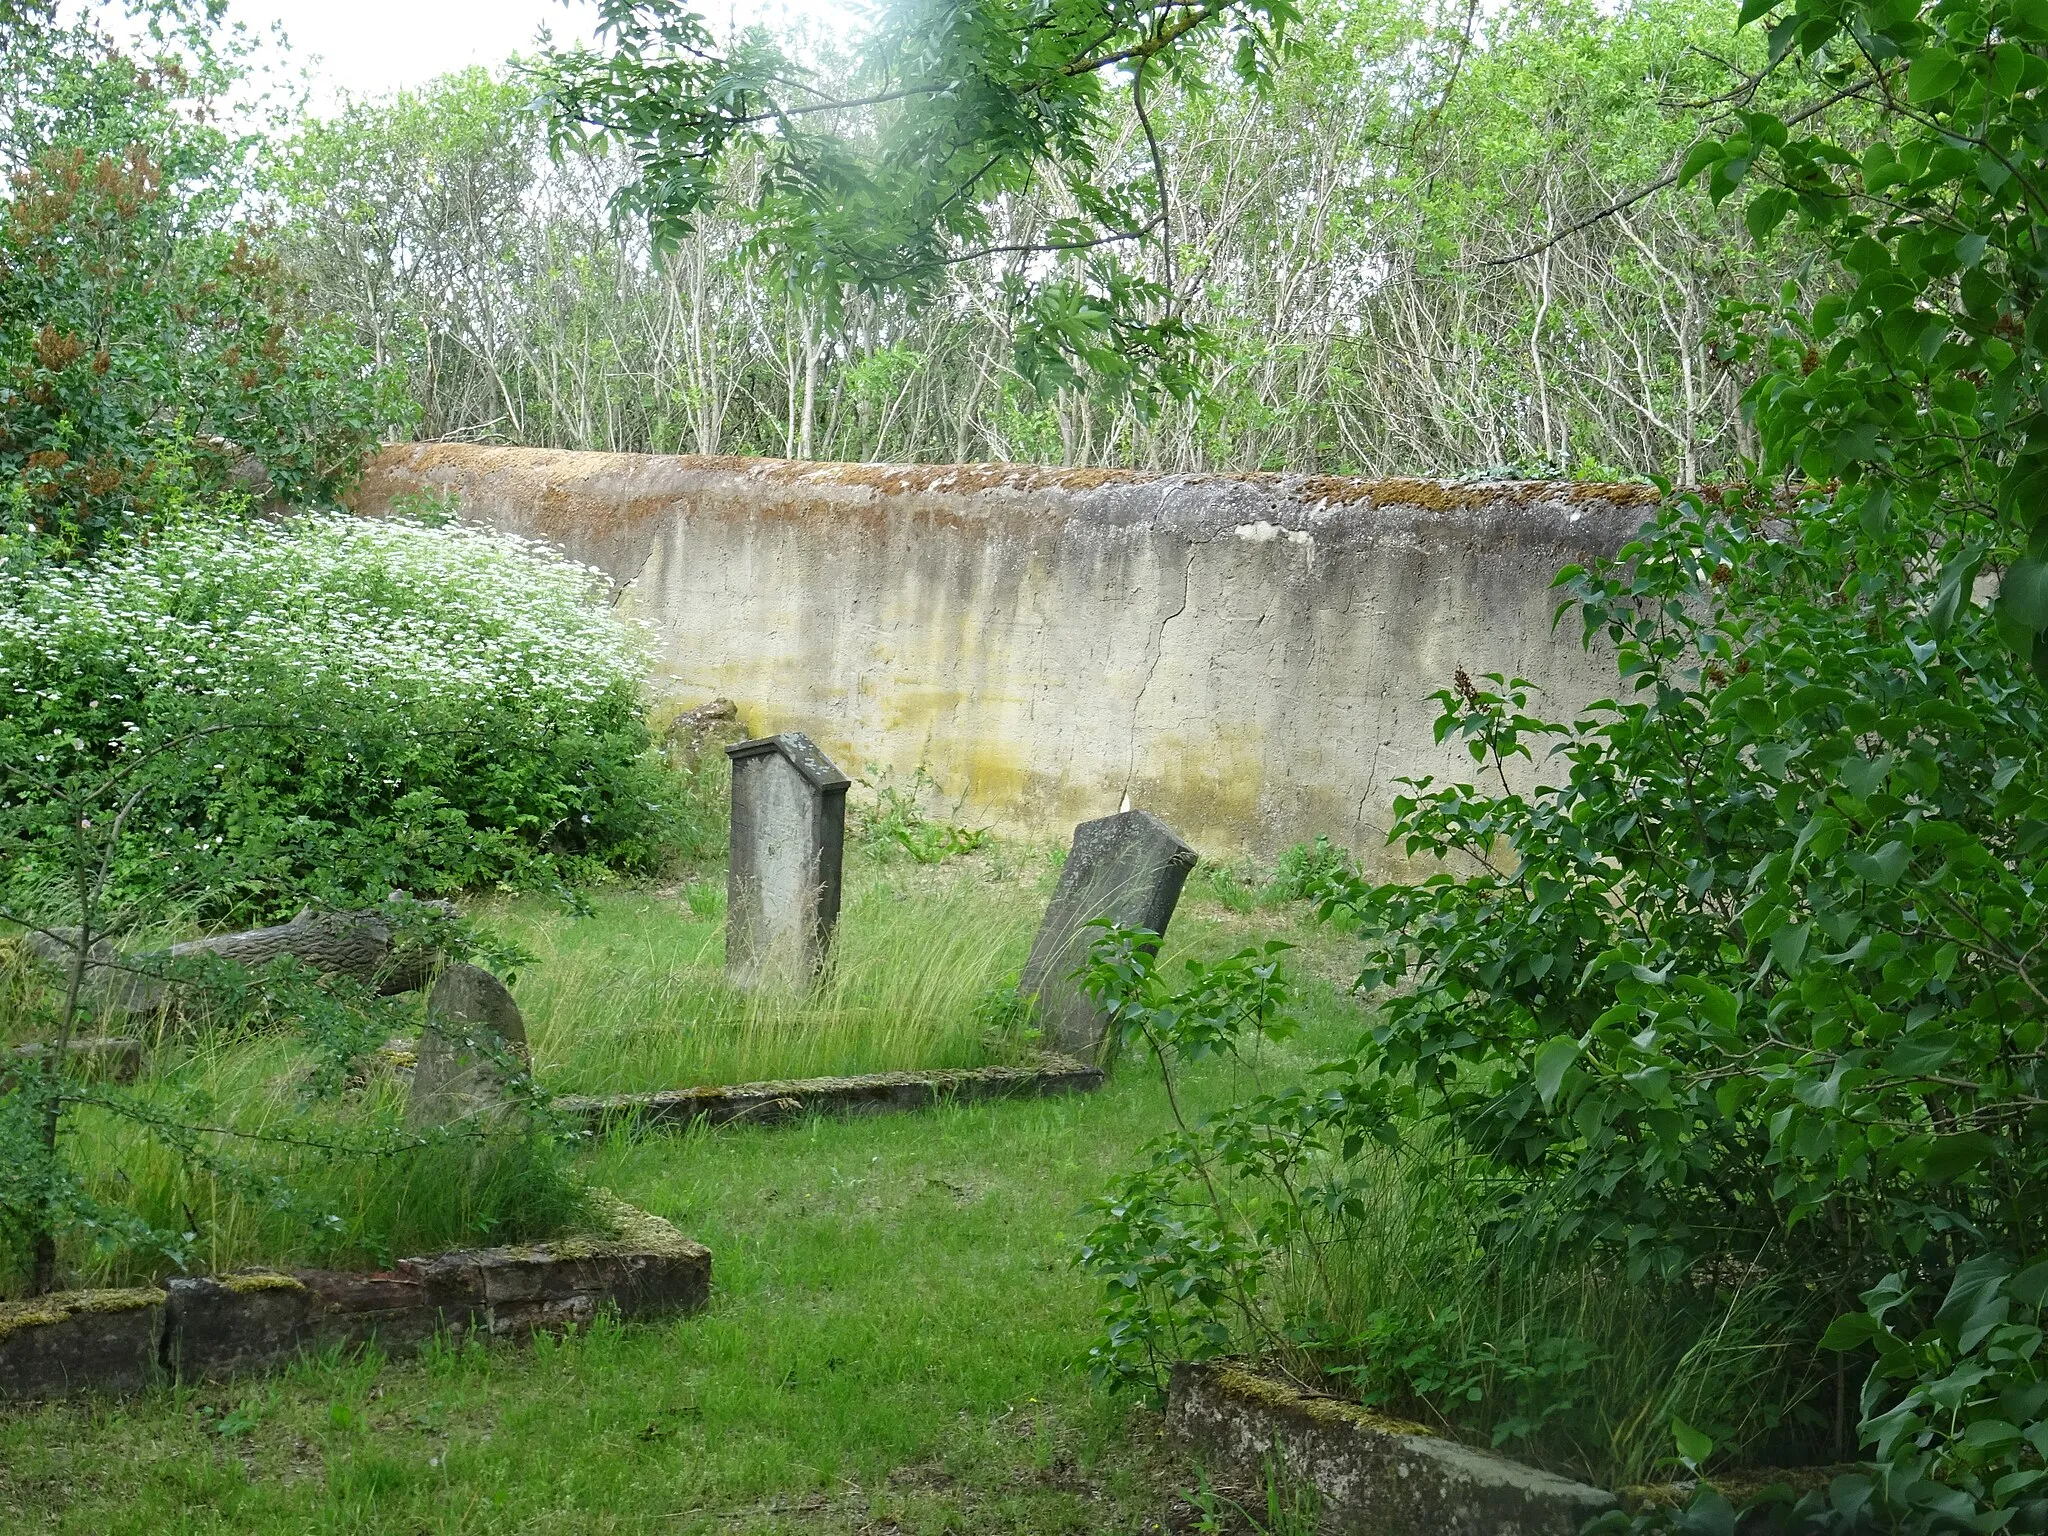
782 885
1128 868
473 1040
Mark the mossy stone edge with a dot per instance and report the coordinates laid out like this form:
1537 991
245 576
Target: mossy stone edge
633 1263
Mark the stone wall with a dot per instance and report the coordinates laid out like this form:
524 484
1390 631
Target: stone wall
1249 656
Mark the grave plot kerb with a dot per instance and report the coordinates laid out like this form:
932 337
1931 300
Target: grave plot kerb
212 1327
1373 1476
788 837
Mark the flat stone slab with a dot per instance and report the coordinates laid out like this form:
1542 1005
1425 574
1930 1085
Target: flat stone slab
216 1326
875 1094
1376 1476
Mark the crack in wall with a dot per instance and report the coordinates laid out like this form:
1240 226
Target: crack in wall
1156 649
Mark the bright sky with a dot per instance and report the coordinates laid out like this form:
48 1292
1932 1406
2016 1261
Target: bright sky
368 47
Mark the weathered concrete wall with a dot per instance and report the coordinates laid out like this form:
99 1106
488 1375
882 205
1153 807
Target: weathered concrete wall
1249 656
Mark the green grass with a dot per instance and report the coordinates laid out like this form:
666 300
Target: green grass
263 1196
633 996
1550 1358
892 1345
630 996
897 1318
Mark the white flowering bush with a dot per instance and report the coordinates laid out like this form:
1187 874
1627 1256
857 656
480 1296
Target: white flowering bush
381 704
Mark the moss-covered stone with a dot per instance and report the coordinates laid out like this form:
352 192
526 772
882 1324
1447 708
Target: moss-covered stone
1373 1475
250 1281
1320 1406
765 1103
630 1230
81 1341
60 1306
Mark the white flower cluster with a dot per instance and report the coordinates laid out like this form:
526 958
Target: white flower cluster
379 610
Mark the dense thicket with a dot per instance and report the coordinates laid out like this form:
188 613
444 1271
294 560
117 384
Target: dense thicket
152 352
1340 240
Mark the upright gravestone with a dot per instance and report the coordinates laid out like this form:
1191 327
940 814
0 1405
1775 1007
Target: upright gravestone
474 1040
782 884
1128 868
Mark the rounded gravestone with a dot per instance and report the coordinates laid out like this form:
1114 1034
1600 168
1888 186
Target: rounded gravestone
474 1042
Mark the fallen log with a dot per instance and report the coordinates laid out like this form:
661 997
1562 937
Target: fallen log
359 945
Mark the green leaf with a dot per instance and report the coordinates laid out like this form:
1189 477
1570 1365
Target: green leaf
1863 776
2030 1286
1726 176
1694 1446
1934 74
1991 1435
1852 1330
2023 595
1788 946
1766 212
1883 867
1953 590
1703 154
1951 1157
1552 1062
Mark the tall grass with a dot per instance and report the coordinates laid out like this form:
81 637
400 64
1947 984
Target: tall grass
631 996
1541 1353
634 997
222 1160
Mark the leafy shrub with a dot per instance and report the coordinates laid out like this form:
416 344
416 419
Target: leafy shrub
1955 1413
1752 983
1745 999
1307 872
894 822
1303 1225
260 1107
388 706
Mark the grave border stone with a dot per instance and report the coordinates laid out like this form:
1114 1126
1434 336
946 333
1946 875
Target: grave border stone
217 1326
1374 1476
781 1101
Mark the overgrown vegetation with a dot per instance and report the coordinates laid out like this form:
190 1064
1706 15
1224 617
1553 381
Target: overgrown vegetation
154 355
261 1129
218 709
387 706
633 996
1741 1017
1707 1079
1738 1025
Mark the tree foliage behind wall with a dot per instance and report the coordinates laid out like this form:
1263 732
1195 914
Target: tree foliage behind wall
1340 239
153 352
